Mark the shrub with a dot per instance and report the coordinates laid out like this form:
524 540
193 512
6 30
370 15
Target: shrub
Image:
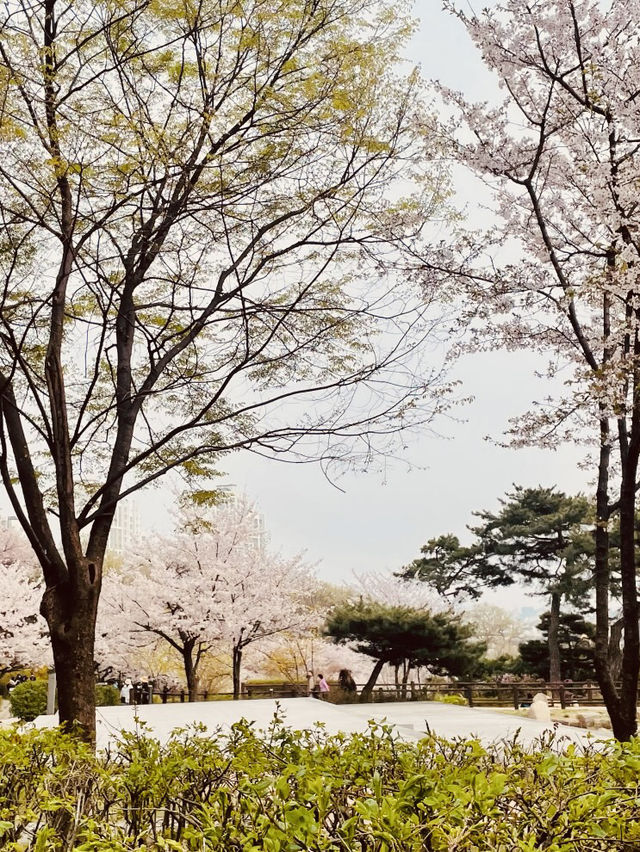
286 790
451 699
107 695
28 700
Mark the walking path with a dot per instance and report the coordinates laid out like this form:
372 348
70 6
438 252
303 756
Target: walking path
411 719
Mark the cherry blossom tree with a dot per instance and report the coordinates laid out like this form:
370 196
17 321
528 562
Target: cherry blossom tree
392 590
559 271
216 585
24 640
499 629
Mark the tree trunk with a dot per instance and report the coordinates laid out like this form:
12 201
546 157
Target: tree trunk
70 612
406 668
373 677
620 706
555 670
626 725
237 663
190 669
615 648
601 578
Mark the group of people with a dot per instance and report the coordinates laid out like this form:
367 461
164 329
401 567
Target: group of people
17 679
317 686
135 693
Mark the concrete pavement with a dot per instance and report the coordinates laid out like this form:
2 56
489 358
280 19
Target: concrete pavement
411 719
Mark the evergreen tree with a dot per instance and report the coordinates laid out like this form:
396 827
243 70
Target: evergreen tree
575 642
538 537
400 635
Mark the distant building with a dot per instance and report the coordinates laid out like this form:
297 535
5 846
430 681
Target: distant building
233 499
125 530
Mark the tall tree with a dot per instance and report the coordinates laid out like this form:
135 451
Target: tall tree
200 207
575 636
399 634
538 538
452 569
216 588
559 149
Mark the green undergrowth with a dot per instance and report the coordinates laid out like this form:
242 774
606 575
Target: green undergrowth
288 790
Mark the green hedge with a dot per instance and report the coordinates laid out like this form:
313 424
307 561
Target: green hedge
28 700
453 698
308 791
107 695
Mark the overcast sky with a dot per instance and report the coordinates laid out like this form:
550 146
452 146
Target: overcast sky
380 522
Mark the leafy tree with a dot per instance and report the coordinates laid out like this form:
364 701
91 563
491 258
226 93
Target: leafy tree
559 151
489 668
201 206
575 639
537 537
399 634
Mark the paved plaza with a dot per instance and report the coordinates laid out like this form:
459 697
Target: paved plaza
410 719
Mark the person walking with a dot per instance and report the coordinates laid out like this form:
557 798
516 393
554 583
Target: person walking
323 687
311 682
125 692
346 682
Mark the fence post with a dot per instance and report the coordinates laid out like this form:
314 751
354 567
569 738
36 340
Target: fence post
468 691
165 693
205 694
563 697
412 688
182 696
516 698
51 693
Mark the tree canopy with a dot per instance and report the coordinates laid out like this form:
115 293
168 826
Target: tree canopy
558 150
200 209
539 536
397 634
217 588
575 639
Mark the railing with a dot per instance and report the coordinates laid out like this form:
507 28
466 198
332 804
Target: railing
474 693
167 696
486 694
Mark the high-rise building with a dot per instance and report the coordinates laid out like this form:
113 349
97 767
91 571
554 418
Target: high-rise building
125 530
232 499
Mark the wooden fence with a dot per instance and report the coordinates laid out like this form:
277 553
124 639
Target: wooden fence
486 694
474 693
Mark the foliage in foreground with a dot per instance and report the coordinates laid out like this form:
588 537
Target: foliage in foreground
293 790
